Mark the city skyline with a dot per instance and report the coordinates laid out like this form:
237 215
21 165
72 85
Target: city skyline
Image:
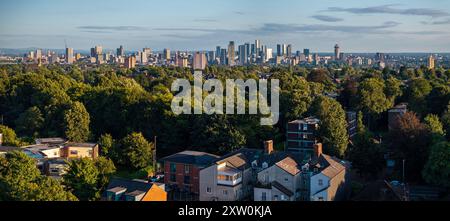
401 26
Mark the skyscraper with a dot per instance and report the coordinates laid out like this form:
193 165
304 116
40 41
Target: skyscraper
130 62
279 50
243 56
231 54
166 54
98 50
199 61
223 56
306 52
431 62
69 55
257 47
289 50
120 52
337 52
218 52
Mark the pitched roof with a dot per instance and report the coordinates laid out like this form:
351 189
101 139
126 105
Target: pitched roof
130 186
334 166
8 148
192 157
88 145
282 188
289 165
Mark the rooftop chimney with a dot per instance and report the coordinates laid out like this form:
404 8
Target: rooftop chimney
268 146
317 149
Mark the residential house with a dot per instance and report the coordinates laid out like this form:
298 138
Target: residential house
79 150
134 190
234 176
56 167
329 177
50 141
181 170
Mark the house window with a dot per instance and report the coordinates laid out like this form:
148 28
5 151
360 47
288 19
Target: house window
283 197
208 190
305 127
173 168
275 198
90 153
263 196
225 192
173 178
187 180
320 182
286 179
73 152
187 169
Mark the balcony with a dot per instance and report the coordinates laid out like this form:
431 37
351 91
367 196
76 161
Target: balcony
229 176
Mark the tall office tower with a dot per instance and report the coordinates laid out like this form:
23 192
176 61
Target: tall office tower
218 52
199 61
211 56
252 49
31 55
53 58
98 50
289 50
69 55
380 56
223 56
283 49
243 56
257 47
279 50
301 135
147 51
77 57
130 62
337 52
38 54
92 52
431 62
231 54
144 58
306 52
166 54
120 52
269 53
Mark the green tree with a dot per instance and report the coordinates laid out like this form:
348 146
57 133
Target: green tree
106 143
417 93
372 98
437 169
333 125
365 154
106 169
393 89
137 152
434 124
9 136
30 122
76 120
20 180
82 179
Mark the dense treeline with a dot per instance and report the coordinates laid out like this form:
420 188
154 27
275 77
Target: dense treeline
121 108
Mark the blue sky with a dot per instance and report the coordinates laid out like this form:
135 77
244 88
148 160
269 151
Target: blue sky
357 25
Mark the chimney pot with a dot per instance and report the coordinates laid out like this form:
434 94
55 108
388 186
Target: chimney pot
317 149
268 146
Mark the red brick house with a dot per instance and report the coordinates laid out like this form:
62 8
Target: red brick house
181 170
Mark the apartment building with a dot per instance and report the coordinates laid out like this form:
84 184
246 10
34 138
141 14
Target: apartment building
302 135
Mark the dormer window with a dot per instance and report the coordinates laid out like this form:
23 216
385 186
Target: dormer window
265 165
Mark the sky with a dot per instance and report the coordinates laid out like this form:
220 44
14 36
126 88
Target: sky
356 25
